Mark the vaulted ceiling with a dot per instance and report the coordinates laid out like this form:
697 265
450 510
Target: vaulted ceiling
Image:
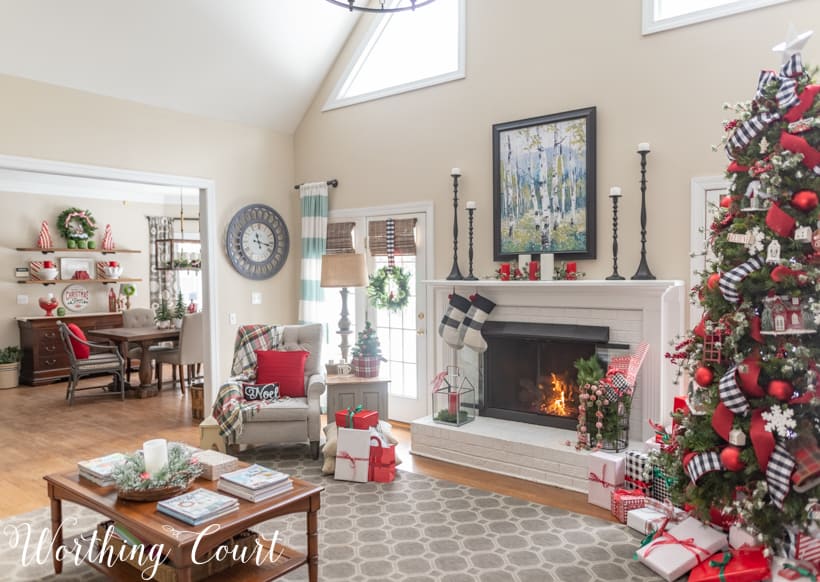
257 62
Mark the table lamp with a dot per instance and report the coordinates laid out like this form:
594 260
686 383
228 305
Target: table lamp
344 270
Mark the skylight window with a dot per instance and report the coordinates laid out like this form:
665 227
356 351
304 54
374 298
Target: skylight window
665 14
405 51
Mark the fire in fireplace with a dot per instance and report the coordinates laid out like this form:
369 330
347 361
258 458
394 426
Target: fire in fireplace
529 374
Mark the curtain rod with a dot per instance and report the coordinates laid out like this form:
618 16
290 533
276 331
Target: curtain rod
332 183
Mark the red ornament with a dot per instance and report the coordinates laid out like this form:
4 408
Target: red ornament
145 475
781 389
805 200
726 201
704 376
747 374
730 458
713 281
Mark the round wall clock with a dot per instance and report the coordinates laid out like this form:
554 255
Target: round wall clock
257 241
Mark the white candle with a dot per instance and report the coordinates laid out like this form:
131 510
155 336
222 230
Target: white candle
547 266
455 172
470 205
155 452
615 191
643 146
523 260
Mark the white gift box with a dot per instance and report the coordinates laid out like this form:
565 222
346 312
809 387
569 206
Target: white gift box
671 554
740 537
352 455
606 472
644 520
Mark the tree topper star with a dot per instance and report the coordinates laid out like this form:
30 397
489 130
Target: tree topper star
794 43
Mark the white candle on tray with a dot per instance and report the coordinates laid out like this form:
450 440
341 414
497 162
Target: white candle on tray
155 452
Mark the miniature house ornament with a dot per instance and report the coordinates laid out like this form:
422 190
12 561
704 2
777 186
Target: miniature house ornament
773 252
803 234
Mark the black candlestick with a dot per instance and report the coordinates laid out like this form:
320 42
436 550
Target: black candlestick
615 276
455 273
643 272
470 212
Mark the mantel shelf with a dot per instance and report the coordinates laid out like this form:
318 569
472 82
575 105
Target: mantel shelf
68 250
55 281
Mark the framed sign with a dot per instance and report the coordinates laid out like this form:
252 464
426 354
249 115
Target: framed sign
75 297
544 186
77 269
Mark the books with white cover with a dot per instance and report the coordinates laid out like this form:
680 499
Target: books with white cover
258 495
99 470
255 477
198 506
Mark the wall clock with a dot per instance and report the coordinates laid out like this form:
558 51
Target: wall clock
257 241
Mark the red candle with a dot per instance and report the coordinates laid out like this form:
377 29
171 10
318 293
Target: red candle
571 270
505 271
533 271
452 403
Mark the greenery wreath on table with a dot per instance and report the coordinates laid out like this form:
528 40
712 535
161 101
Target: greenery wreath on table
74 223
389 288
180 471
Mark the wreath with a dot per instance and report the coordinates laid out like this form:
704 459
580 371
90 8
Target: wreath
74 223
389 288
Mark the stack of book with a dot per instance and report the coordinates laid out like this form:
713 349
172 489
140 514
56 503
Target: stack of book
255 483
198 506
99 470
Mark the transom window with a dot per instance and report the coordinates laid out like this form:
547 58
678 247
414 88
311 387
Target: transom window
661 15
405 51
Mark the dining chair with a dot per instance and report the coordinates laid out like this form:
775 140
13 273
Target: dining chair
189 351
106 359
136 317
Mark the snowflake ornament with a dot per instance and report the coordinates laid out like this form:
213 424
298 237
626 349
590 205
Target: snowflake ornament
754 241
780 420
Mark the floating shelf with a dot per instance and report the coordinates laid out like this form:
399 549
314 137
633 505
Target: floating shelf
67 250
103 281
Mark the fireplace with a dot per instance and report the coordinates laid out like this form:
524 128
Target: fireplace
528 372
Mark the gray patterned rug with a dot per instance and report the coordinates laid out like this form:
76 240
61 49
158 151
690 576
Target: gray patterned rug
416 529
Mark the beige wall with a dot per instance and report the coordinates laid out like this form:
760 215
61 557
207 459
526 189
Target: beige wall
247 164
527 58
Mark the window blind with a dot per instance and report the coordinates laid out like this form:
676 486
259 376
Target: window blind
405 241
340 238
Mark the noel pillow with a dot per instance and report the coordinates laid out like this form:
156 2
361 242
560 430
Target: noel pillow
284 368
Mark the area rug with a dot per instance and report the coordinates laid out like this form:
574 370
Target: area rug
416 529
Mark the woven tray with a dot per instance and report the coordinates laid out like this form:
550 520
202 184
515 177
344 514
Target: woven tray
157 494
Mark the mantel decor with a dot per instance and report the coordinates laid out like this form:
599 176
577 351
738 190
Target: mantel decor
544 186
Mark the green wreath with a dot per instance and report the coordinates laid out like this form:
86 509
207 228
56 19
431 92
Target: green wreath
74 223
389 288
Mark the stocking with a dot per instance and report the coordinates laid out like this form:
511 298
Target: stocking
453 316
470 330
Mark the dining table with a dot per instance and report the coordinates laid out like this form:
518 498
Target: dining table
145 337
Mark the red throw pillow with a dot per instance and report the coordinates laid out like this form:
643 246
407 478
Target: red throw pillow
81 350
285 368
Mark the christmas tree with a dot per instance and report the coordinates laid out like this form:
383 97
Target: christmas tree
746 449
367 343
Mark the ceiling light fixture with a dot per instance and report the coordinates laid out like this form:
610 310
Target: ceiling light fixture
364 5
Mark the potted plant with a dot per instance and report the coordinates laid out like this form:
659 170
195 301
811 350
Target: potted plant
367 353
163 315
179 310
9 367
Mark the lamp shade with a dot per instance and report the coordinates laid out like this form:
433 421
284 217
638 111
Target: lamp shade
344 270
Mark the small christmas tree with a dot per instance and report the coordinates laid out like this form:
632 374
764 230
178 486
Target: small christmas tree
367 343
179 308
163 313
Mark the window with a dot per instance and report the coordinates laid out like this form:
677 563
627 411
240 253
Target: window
661 15
405 51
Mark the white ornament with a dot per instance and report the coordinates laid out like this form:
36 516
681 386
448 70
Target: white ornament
773 252
780 420
754 241
737 437
802 234
736 237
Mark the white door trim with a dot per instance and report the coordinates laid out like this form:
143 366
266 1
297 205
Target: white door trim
698 225
207 201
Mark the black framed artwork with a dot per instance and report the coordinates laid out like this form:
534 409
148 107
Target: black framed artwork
544 186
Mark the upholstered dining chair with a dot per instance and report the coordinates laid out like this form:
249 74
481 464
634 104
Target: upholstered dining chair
106 359
136 317
189 351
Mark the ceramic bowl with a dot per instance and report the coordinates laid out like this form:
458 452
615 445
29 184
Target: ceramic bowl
48 273
112 272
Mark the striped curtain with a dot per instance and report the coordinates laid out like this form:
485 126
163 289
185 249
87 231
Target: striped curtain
162 283
314 233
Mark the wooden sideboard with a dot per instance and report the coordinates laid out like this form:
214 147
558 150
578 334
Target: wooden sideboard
44 357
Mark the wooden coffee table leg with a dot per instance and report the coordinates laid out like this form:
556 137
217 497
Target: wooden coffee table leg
184 574
313 539
56 529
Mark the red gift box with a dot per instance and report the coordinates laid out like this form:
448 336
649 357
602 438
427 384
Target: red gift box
741 565
382 461
357 418
625 500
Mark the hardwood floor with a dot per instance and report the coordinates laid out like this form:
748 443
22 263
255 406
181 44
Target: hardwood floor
42 434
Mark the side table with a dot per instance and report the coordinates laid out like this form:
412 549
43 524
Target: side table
350 391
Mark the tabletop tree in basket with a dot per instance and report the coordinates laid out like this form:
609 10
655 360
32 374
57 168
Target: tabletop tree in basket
163 315
367 353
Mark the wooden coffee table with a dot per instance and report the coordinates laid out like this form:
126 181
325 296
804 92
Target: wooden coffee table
178 538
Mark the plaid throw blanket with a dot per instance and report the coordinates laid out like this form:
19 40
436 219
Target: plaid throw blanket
250 338
231 409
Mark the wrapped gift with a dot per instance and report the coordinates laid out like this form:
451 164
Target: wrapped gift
625 500
661 484
606 471
646 519
352 455
638 472
733 566
785 569
740 537
357 418
382 460
802 546
674 552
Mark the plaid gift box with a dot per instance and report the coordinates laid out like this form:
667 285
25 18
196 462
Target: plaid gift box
636 463
801 546
624 500
661 484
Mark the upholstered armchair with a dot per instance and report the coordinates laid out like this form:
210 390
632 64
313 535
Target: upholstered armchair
289 419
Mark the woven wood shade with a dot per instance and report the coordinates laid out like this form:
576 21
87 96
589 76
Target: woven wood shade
339 238
405 237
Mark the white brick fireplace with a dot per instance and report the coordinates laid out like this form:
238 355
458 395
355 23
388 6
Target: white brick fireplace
634 311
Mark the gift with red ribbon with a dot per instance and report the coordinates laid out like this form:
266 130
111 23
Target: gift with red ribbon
382 467
352 455
623 501
654 516
357 418
606 472
674 552
733 566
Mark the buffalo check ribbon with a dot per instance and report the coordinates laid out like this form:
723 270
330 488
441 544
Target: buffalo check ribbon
778 474
730 393
731 279
698 464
